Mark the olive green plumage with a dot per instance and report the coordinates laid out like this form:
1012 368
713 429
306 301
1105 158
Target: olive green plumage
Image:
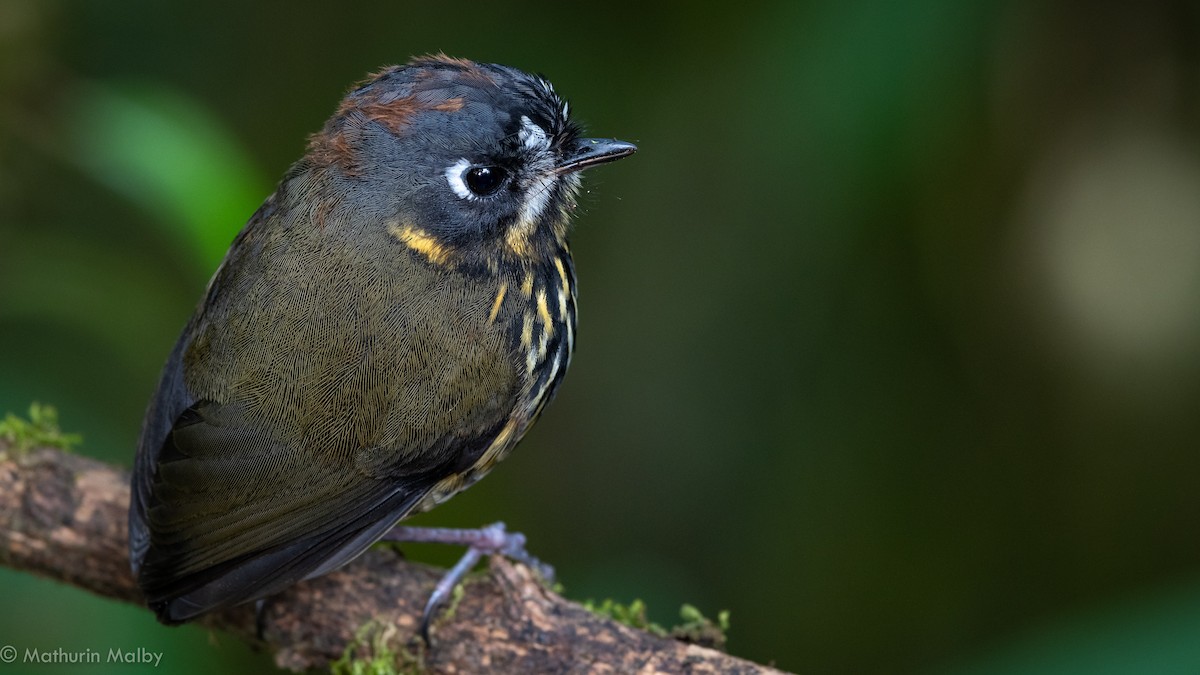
383 330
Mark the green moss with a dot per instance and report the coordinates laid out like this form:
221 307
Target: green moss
696 628
701 630
39 431
633 614
372 653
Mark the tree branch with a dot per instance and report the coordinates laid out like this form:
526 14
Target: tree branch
63 516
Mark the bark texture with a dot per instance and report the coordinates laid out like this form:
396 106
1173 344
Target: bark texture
63 516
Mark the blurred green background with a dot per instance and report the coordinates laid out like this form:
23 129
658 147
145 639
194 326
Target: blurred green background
889 335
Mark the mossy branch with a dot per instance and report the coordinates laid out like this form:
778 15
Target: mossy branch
39 431
63 516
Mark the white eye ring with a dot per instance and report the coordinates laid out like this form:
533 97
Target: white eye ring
454 176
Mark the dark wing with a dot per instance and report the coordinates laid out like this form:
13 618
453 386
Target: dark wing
235 515
232 516
225 512
168 403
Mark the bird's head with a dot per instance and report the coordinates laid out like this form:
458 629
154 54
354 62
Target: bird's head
464 163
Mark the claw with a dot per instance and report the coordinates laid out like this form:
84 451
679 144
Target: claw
445 586
489 540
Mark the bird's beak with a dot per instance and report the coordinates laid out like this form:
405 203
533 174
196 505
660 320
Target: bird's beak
584 152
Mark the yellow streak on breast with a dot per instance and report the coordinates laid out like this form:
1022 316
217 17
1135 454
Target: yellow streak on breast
499 301
562 274
527 285
498 449
527 331
420 241
544 313
565 289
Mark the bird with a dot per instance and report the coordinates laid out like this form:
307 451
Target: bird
380 334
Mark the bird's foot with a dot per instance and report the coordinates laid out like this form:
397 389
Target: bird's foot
488 540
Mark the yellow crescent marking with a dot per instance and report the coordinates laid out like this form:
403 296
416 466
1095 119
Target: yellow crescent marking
499 301
518 241
544 313
420 241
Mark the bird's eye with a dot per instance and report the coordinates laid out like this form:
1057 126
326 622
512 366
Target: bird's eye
484 180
